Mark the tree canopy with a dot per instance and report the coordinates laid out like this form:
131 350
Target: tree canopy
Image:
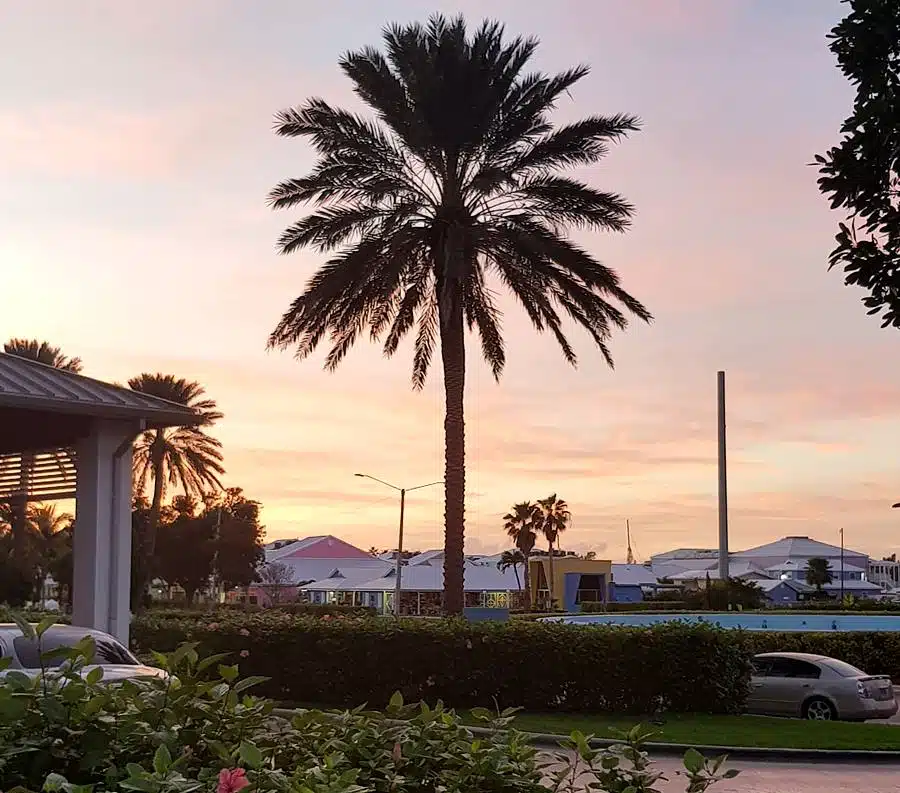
861 175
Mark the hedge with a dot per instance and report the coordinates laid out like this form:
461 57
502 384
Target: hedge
641 605
538 666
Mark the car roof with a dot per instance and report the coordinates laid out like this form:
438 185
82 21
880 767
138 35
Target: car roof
795 656
63 631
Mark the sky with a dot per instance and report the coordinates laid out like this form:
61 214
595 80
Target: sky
136 152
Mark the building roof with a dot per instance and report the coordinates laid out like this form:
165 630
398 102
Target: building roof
736 569
324 546
430 578
29 385
633 575
796 548
803 564
303 570
768 584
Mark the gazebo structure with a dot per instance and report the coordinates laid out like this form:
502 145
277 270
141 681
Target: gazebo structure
62 436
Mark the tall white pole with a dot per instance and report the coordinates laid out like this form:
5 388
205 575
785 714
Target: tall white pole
723 483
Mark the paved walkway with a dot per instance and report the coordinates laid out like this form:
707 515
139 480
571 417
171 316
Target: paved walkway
772 777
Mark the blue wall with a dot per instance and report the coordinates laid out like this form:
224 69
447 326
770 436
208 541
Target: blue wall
626 593
782 594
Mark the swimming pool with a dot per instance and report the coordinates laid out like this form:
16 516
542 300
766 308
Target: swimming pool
749 622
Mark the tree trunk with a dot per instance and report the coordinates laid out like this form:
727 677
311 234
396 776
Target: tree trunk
453 355
526 576
550 582
148 543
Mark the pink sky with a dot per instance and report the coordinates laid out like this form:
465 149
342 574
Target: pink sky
136 152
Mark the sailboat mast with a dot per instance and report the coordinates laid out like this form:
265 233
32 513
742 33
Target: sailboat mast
630 557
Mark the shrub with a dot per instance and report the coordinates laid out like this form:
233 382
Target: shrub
539 666
66 731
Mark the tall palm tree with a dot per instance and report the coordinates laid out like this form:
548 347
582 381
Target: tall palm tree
450 189
519 524
554 519
512 559
184 457
50 540
819 573
45 353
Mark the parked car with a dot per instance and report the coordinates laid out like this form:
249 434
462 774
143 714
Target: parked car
818 688
25 654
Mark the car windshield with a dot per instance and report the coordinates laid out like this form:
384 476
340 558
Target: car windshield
844 669
109 651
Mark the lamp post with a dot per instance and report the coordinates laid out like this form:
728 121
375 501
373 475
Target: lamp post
403 491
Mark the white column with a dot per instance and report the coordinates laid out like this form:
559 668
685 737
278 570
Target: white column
102 540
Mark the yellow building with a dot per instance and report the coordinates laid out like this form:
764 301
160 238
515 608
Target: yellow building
574 580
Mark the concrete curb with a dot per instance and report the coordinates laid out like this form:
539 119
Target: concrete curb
551 741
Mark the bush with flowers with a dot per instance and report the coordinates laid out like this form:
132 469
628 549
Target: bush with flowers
200 730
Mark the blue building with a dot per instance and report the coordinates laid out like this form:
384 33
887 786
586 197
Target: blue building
631 582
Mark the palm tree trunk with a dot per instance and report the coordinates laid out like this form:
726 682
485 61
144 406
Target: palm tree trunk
550 582
453 355
148 542
526 576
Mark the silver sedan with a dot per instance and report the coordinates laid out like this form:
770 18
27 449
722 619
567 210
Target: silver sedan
819 688
24 653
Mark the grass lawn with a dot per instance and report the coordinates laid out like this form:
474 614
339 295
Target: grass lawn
733 731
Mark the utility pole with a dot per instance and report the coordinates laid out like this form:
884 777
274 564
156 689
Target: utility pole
723 483
842 567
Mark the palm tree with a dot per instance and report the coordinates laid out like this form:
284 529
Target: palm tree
42 352
47 354
512 559
451 190
48 534
818 573
519 524
554 519
184 457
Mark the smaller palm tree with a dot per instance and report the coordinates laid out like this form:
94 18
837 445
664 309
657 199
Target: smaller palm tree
42 352
519 524
554 520
512 559
49 540
819 573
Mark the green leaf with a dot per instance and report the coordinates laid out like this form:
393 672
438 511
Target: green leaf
228 673
250 755
23 625
248 682
396 701
94 676
693 761
731 773
162 760
44 625
482 714
52 709
207 662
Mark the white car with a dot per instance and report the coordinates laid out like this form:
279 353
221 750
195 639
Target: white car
24 653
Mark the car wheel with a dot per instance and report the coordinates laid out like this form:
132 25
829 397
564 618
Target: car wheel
819 709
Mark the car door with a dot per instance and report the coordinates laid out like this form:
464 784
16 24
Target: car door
789 683
758 700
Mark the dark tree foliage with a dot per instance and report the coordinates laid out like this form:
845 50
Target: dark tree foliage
861 175
239 550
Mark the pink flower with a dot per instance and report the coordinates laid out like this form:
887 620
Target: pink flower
213 626
231 780
244 632
326 616
245 653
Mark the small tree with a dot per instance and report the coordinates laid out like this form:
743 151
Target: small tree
818 573
239 534
512 559
553 521
274 579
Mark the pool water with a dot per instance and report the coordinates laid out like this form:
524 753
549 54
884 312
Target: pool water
748 622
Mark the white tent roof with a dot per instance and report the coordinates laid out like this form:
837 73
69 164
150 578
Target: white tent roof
633 575
796 548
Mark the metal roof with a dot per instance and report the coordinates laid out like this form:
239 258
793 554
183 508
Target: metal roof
29 385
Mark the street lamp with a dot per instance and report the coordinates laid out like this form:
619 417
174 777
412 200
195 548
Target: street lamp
403 491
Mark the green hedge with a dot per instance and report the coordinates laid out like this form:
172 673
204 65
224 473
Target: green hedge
538 666
641 605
